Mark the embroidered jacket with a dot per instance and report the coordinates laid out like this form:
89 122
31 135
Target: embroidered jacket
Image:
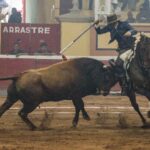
117 33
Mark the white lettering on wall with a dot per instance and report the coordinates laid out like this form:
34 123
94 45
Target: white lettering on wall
47 30
11 29
40 30
22 30
17 29
5 30
27 30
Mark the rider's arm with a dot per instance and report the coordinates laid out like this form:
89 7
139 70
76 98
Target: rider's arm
100 30
130 33
130 30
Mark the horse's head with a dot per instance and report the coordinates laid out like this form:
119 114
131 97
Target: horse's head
143 50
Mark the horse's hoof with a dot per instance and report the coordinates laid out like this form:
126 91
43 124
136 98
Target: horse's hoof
146 126
148 114
73 127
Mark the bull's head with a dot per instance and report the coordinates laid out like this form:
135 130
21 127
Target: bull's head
109 79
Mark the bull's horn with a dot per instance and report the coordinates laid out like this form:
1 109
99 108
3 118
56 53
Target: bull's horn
105 66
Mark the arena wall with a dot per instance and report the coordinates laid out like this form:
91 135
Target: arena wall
71 30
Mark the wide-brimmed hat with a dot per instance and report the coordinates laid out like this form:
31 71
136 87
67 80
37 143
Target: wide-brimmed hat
112 18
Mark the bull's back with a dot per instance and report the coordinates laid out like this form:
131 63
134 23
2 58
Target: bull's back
63 76
29 84
60 80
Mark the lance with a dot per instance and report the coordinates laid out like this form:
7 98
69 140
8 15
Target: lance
72 42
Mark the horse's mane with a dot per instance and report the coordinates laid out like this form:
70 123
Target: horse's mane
143 50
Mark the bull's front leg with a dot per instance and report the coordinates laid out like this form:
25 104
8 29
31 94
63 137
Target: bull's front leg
79 105
84 113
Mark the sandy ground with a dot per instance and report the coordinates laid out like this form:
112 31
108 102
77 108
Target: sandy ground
114 125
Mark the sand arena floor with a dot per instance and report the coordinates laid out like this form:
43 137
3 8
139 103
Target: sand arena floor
114 125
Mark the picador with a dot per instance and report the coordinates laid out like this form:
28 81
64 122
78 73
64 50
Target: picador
123 33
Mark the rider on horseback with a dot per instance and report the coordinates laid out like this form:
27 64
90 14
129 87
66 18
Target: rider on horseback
123 33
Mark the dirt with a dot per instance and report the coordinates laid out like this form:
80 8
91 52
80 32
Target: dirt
114 125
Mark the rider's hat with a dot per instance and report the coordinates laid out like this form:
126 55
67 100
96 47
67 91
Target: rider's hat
112 18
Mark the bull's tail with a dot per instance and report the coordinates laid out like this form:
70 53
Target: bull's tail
15 77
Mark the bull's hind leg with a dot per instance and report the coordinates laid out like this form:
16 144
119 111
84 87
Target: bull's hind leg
79 105
6 105
23 113
10 100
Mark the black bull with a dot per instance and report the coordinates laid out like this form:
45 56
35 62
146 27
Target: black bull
69 80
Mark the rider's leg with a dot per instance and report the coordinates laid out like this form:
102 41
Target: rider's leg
121 73
123 59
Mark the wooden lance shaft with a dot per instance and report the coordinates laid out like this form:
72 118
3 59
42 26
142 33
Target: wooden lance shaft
72 42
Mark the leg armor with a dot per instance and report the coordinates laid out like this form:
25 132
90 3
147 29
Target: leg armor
122 75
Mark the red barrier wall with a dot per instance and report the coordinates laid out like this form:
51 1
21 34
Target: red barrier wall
12 66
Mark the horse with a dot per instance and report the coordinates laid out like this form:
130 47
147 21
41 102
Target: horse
138 74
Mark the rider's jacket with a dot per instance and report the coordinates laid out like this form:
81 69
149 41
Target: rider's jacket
117 33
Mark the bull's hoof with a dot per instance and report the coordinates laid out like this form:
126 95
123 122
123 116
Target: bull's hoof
146 126
33 128
74 125
86 117
148 114
43 129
